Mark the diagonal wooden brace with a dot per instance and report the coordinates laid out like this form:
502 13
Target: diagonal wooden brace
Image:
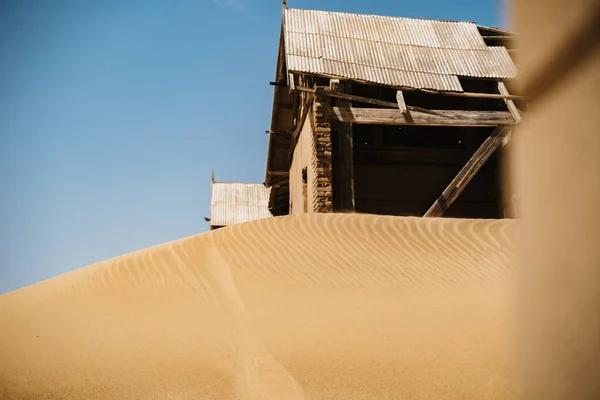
466 174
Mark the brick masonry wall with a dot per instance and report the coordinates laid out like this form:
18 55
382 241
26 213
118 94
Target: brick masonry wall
321 160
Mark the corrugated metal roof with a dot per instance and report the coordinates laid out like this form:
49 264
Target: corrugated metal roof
236 203
393 51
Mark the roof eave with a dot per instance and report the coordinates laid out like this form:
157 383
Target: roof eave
281 64
497 30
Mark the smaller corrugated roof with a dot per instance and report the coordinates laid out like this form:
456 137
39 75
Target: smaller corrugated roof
236 203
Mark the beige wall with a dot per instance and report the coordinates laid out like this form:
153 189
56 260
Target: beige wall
557 172
300 160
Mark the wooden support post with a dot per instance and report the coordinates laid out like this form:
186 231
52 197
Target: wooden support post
458 184
507 187
401 102
343 168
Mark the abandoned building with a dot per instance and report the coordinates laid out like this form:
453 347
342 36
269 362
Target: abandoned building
236 203
390 115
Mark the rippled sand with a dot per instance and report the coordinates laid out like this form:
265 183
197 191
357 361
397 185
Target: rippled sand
318 306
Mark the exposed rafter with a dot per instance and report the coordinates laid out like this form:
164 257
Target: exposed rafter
427 91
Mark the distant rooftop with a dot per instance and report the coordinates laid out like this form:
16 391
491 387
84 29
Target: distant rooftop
392 51
236 203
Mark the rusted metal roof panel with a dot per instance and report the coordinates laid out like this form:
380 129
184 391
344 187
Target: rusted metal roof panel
236 203
421 54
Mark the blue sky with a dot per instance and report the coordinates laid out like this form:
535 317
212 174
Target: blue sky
113 114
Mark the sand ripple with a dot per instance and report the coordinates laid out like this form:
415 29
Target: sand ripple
311 306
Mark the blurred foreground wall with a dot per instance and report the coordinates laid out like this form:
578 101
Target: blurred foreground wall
556 168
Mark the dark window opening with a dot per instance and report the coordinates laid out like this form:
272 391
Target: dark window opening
442 137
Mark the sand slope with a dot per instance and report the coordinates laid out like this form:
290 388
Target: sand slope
311 306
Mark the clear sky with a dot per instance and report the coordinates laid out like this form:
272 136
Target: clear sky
113 114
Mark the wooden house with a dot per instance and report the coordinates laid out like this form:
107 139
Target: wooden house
390 115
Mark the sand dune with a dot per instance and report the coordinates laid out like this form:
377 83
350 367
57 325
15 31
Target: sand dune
319 306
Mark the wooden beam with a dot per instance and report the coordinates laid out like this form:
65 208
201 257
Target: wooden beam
466 174
514 111
401 102
383 103
343 169
270 132
471 94
281 138
367 100
381 116
499 37
279 173
349 97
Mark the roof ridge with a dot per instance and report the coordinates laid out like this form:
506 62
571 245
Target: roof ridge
384 16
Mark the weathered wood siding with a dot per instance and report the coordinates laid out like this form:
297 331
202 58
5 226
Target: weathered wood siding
301 159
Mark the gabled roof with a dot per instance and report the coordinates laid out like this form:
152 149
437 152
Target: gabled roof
391 51
236 203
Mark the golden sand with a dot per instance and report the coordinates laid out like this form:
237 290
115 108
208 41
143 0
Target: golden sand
318 306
